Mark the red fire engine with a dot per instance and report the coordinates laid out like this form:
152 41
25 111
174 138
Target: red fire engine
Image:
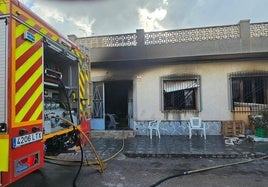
42 74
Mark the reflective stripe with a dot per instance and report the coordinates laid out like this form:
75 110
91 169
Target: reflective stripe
3 7
28 76
4 156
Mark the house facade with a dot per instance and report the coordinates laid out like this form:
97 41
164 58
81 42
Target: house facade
217 73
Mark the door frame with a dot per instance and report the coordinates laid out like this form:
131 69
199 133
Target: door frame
98 103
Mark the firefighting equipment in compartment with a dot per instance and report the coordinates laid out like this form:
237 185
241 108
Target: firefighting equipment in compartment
73 97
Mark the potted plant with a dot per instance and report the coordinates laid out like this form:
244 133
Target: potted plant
260 124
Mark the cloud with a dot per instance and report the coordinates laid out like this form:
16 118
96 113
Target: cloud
84 24
68 17
49 13
26 2
105 17
151 21
151 15
165 2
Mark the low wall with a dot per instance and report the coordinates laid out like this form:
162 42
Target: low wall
177 127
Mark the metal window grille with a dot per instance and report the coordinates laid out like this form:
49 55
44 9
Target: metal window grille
181 93
97 100
249 91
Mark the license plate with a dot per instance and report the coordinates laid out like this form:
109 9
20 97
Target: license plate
26 139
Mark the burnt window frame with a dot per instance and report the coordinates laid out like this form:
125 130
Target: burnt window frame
250 94
196 90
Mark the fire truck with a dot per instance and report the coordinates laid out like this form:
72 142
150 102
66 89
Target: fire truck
42 74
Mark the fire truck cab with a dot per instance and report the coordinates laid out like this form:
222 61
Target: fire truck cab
43 77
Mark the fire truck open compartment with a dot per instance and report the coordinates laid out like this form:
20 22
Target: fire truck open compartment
60 85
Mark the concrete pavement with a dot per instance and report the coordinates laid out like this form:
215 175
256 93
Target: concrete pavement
139 156
172 146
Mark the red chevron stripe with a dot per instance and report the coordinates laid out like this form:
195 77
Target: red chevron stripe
20 39
33 108
28 94
49 35
40 115
21 60
23 18
37 27
28 74
17 23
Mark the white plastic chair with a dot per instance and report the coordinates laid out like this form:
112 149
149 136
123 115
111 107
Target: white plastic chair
112 123
154 125
196 124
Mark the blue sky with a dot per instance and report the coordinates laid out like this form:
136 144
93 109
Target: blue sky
105 17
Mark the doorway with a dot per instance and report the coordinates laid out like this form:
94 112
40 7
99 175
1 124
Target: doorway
118 102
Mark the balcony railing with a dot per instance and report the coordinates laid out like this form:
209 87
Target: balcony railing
174 36
259 29
192 35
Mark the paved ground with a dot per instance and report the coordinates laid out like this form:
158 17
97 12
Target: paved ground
142 162
181 146
123 171
172 146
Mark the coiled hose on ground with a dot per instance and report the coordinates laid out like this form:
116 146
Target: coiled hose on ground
99 162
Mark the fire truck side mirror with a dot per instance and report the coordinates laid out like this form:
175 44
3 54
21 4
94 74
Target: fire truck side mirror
3 127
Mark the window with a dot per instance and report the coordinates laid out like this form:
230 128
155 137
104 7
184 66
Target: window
181 93
249 91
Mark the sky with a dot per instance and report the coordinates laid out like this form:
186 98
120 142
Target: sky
107 17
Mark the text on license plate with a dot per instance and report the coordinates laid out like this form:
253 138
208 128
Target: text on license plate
25 139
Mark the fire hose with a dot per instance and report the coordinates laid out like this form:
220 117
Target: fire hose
99 162
206 169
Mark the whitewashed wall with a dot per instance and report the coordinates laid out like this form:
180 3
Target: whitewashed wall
215 102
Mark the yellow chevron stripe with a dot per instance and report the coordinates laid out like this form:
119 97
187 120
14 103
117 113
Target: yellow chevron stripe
30 22
38 111
28 104
82 87
20 30
86 77
82 76
28 84
25 46
44 31
3 7
22 48
33 22
54 38
28 64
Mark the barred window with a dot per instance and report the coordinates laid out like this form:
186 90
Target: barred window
181 93
249 91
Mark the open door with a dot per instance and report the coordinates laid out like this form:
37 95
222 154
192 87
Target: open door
112 98
98 117
118 102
